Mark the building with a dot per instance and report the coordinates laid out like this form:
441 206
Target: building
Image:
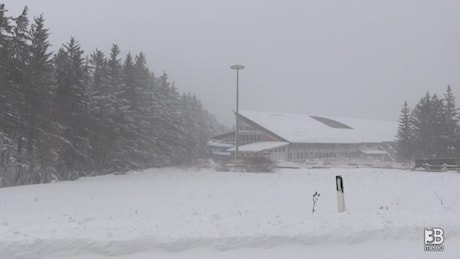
299 138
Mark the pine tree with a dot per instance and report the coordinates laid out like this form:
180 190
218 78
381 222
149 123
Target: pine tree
20 46
421 123
118 161
404 135
200 124
70 111
115 67
128 90
124 96
8 93
451 140
39 97
101 108
5 30
428 120
19 78
439 127
168 122
5 48
9 118
136 141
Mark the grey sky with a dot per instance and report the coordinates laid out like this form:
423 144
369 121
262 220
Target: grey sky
338 58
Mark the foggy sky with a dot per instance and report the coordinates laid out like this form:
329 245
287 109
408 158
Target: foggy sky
358 59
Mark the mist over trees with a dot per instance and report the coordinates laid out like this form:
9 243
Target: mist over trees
431 129
69 114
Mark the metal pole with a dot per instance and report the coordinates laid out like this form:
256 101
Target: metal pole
237 67
237 137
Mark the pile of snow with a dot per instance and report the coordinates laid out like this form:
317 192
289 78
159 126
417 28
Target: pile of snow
178 213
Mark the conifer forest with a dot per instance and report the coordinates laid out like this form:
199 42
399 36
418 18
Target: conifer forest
430 130
68 114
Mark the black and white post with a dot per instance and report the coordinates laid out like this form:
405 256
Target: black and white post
340 196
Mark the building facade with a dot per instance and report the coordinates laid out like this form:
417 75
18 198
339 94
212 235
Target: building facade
303 138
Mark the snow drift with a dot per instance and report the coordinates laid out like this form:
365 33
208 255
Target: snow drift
201 213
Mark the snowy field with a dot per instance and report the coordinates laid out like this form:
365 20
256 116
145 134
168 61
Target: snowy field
175 213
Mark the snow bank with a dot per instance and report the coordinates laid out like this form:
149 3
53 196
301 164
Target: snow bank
178 213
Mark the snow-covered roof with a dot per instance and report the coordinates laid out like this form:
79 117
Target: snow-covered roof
259 147
300 128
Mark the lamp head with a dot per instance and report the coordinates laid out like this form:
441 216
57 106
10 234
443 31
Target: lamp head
237 67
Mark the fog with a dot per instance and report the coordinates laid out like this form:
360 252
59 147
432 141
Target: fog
358 59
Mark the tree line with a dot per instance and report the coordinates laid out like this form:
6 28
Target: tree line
430 130
66 114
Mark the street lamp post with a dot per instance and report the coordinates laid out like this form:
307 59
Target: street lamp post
237 67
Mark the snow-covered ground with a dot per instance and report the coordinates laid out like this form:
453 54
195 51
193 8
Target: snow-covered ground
174 213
